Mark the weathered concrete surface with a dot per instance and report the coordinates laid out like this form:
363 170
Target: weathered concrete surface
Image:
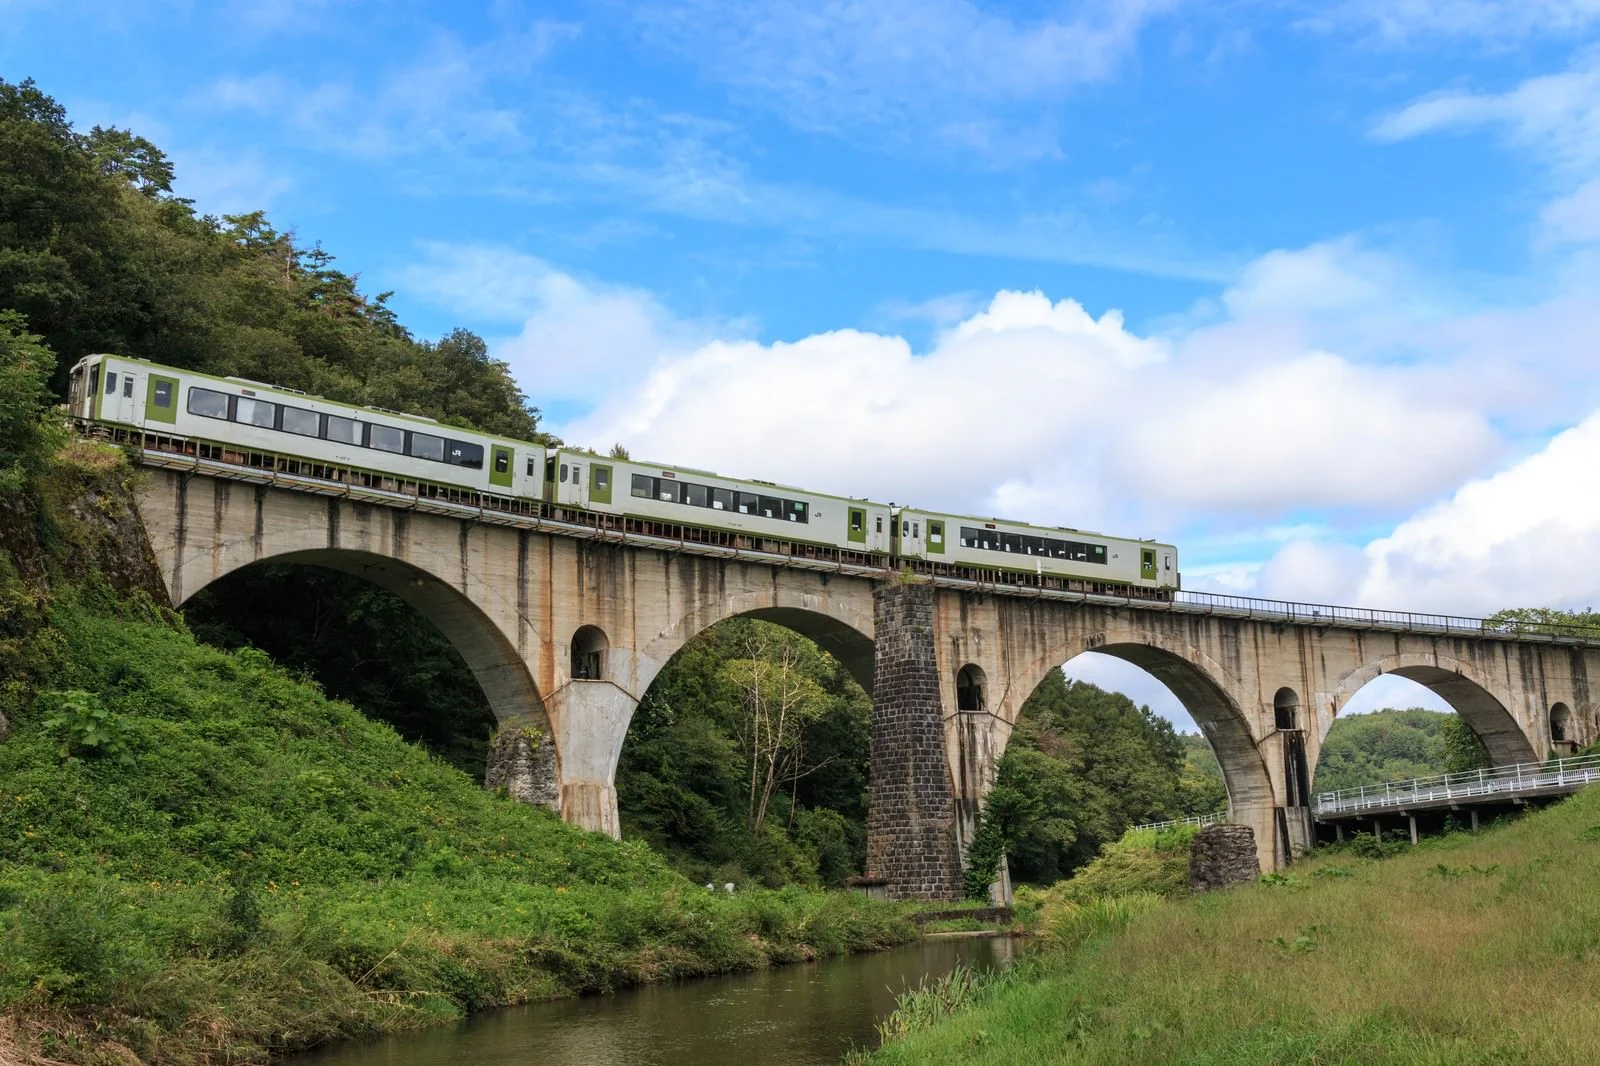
511 600
1221 856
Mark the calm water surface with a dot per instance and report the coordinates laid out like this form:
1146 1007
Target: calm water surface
804 1015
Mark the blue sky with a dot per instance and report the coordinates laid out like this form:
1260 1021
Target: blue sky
1308 288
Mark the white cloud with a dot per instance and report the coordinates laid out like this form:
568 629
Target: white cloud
1495 22
1557 115
1523 537
1038 408
1574 219
1327 277
578 340
878 63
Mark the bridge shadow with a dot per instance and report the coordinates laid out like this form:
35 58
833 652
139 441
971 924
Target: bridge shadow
393 640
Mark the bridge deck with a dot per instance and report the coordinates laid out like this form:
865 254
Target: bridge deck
1196 603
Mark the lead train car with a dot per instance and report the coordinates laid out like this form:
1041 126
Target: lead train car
248 416
684 497
990 544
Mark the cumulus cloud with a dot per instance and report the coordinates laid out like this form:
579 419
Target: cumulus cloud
1524 536
1038 408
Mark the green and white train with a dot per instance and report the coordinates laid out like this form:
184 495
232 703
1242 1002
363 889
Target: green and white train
250 423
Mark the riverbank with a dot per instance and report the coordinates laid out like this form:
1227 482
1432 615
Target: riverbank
204 860
1464 950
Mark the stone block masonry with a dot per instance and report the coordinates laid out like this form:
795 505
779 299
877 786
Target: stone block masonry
1223 855
911 831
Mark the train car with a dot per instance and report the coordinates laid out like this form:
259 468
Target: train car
675 495
1012 547
246 417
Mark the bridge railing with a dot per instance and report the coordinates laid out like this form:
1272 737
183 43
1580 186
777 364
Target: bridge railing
1508 781
1201 820
1367 617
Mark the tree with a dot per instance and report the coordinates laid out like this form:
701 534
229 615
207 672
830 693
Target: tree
25 368
780 699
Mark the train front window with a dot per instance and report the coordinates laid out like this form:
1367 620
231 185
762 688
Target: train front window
111 382
344 430
208 403
386 438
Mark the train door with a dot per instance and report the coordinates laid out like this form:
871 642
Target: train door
1147 564
502 470
911 536
600 483
857 527
570 487
119 397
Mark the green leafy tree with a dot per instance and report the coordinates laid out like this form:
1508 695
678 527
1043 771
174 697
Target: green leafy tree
26 437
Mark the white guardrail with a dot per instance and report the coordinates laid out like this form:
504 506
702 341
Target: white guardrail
1557 775
1201 820
1369 618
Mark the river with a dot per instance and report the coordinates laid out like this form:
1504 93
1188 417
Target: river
807 1014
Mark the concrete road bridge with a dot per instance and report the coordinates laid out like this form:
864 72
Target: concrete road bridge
566 625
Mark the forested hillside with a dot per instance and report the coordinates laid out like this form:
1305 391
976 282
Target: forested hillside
1395 745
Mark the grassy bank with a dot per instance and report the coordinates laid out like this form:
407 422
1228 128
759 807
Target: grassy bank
1464 950
202 859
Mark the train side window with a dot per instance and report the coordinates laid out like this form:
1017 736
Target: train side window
386 438
643 487
748 504
427 446
935 532
300 421
163 394
257 413
563 473
469 455
667 491
771 507
111 382
602 478
797 511
208 403
858 521
696 495
341 429
722 499
502 458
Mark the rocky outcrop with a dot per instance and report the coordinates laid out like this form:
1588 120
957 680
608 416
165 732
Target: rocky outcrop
1221 856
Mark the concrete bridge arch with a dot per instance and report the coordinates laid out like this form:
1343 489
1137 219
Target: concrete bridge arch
1483 700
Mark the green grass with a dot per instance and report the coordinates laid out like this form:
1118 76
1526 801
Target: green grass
203 860
1465 950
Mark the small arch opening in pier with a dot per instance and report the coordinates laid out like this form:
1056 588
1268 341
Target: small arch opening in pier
971 689
590 649
1561 726
1286 709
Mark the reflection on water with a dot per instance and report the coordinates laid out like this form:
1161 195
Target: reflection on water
811 1013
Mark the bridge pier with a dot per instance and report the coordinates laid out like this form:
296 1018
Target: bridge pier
590 720
911 821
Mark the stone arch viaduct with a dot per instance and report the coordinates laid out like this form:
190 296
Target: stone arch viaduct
565 628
